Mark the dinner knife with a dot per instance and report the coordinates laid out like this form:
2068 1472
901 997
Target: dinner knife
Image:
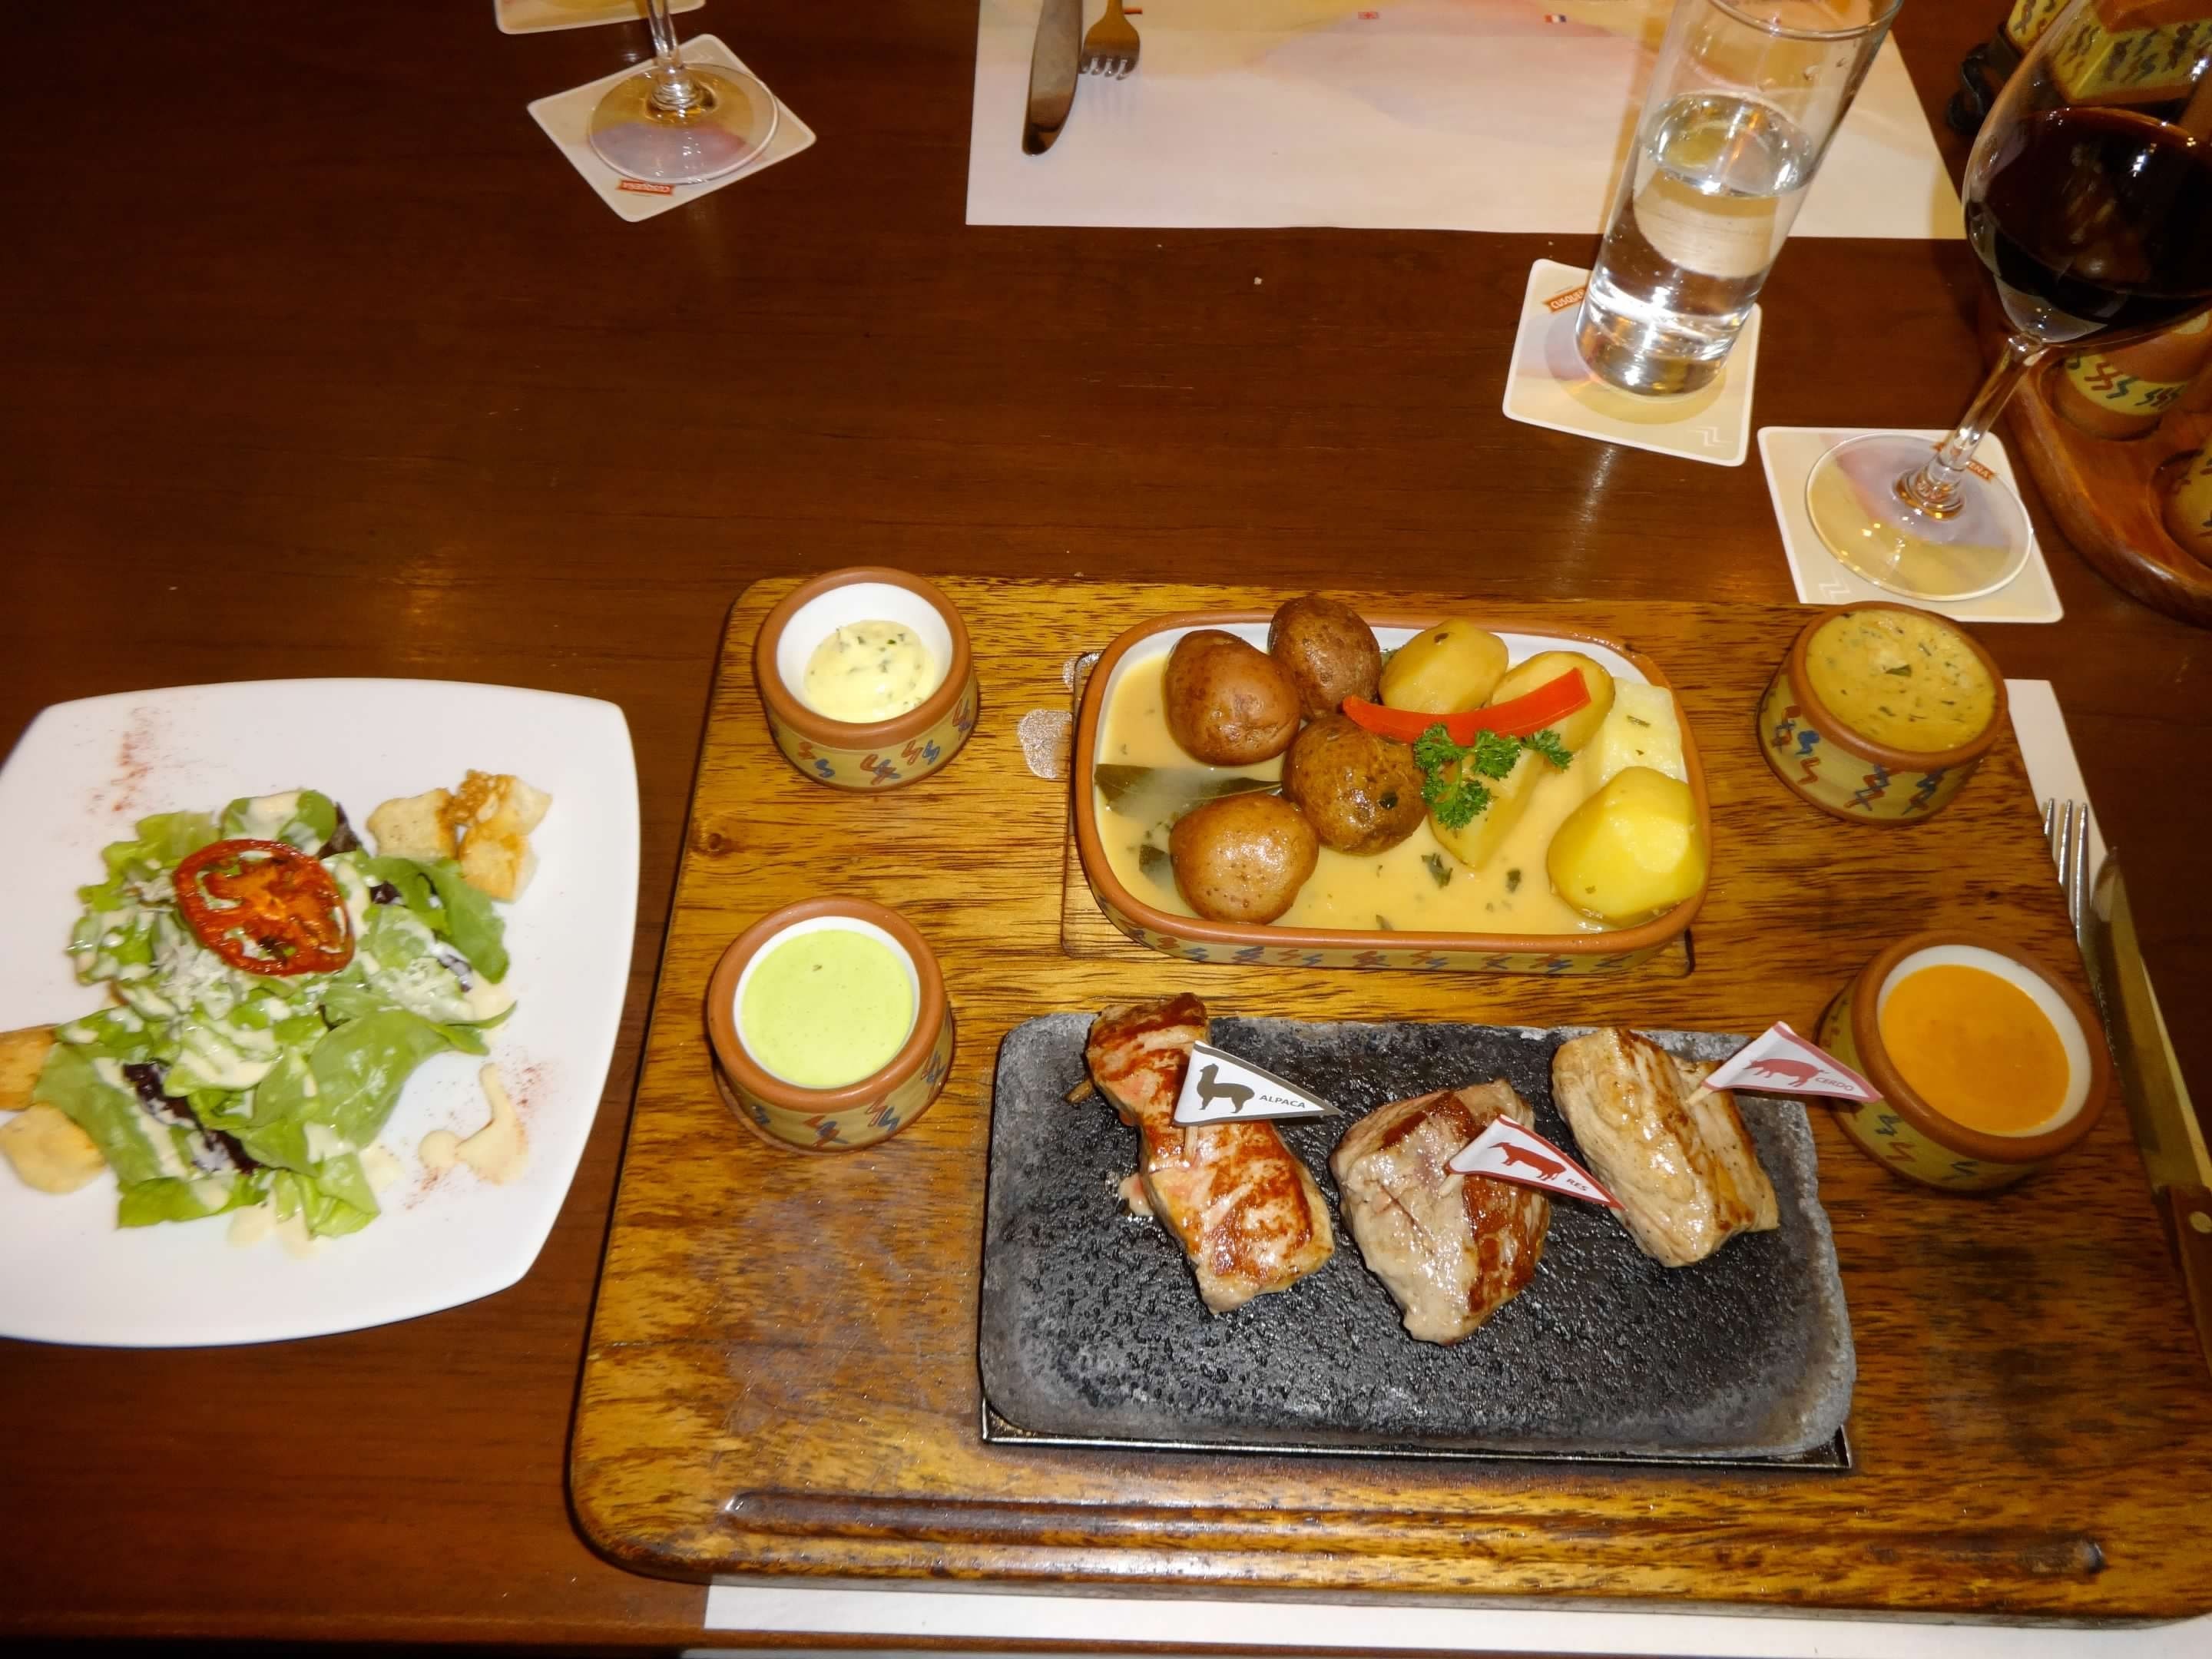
1052 74
2159 1106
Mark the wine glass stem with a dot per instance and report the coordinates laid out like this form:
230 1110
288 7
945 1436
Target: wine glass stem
1934 488
673 89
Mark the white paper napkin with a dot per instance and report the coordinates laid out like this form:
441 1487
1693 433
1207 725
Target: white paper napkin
1498 115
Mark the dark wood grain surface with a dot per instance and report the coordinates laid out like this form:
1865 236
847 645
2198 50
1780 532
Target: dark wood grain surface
319 360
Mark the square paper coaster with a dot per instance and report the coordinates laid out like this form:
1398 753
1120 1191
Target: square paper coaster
567 116
1789 452
535 16
1548 386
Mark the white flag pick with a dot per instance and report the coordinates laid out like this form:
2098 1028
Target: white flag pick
1779 1062
1511 1151
1219 1088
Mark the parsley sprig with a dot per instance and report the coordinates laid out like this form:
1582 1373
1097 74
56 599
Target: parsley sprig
1452 773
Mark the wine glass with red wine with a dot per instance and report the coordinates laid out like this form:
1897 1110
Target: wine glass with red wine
2088 196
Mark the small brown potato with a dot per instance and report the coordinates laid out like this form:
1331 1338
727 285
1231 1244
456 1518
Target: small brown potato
48 1151
22 1057
1579 727
1329 651
1361 792
1228 703
1245 857
1631 850
1444 670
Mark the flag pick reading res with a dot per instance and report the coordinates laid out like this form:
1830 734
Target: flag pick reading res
1778 1061
1511 1151
1220 1088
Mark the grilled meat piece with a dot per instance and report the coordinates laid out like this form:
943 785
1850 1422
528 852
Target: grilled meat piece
1681 1163
1451 1248
1242 1204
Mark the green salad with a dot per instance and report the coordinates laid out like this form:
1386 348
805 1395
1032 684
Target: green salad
274 987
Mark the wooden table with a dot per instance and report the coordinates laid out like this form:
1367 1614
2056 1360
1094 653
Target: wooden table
321 362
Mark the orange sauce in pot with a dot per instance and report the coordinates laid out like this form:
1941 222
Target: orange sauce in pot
1976 1047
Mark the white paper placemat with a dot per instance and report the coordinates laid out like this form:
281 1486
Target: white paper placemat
1497 115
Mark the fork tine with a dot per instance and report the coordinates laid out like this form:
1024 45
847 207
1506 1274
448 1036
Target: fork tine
2077 869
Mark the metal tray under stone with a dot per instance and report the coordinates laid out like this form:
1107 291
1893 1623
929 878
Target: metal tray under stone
1092 1333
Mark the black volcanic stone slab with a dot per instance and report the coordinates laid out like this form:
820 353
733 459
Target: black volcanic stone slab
1091 1325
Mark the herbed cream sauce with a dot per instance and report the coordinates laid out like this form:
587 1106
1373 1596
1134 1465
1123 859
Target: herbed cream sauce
1901 679
870 670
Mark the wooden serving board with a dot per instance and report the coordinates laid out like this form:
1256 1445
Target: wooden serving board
2106 494
782 1373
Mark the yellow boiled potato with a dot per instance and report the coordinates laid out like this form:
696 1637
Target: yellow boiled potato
1576 729
1472 842
1631 850
1445 669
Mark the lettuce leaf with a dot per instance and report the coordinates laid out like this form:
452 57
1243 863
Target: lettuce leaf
118 1125
441 896
328 1209
312 819
168 1198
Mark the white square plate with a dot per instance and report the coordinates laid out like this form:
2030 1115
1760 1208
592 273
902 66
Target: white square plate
84 772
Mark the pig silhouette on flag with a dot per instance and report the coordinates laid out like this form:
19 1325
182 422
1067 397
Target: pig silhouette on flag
1511 1151
1780 1062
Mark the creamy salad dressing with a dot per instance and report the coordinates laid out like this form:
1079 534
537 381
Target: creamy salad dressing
870 670
1397 890
496 1152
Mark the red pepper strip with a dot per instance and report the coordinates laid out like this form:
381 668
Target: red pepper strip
1526 715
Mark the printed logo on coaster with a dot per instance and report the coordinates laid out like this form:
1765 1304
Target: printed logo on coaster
1548 385
1220 1088
1777 1062
1511 1151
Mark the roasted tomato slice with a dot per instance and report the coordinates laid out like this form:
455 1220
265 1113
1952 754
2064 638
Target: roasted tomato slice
265 907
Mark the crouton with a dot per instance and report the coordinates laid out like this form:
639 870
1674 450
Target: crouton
22 1057
48 1151
414 827
494 814
500 866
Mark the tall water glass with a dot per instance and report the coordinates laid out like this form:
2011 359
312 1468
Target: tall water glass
1743 102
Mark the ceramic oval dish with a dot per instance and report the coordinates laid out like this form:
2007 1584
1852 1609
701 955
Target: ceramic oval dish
877 754
1848 775
861 1113
1910 1138
1196 939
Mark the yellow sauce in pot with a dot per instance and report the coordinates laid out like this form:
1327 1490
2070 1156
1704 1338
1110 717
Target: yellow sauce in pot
1901 679
870 670
1976 1047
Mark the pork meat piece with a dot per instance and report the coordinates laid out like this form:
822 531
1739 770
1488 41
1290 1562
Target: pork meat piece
1451 1248
1243 1205
1680 1161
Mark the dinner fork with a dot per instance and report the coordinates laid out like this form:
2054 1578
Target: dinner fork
1112 45
2066 828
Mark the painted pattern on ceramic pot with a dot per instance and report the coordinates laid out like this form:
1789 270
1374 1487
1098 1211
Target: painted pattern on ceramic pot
850 1115
1910 1137
870 755
1840 768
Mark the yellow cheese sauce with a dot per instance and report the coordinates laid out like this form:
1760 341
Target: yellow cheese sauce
1976 1047
1397 890
827 1008
870 670
1904 680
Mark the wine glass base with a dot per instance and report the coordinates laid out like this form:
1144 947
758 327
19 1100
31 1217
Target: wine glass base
1876 532
730 126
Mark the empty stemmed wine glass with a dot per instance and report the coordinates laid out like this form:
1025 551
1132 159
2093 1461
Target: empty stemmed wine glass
674 123
2088 196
